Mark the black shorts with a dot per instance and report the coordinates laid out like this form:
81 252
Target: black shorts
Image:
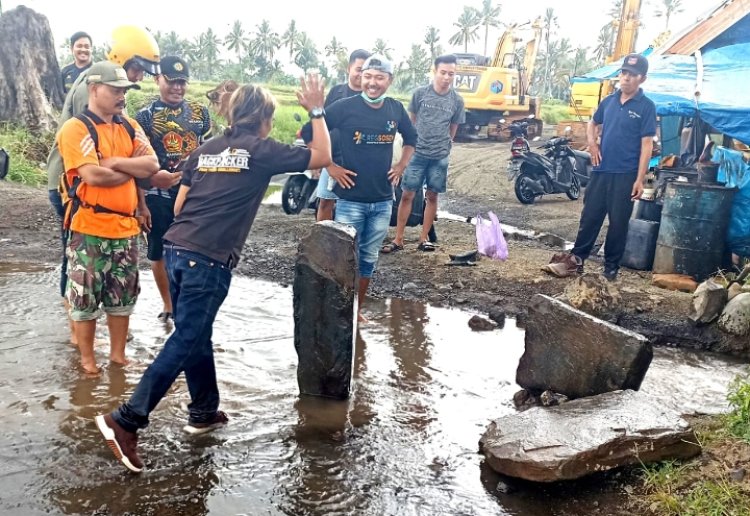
162 215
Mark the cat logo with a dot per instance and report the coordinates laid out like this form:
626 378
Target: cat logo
465 81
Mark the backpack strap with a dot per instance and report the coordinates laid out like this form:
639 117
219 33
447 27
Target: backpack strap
76 202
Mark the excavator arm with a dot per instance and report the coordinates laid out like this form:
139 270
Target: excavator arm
627 30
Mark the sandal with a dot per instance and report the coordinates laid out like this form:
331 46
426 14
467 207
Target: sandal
426 247
391 248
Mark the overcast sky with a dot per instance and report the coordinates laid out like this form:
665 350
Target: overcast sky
400 22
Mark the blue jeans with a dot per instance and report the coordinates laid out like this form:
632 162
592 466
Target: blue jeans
422 170
56 201
198 286
323 182
370 220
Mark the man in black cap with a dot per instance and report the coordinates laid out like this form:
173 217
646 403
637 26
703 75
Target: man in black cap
626 123
175 127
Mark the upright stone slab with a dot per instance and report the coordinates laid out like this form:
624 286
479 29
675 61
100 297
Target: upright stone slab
325 296
575 354
569 441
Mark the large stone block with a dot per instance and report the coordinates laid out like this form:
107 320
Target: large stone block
325 296
576 354
568 441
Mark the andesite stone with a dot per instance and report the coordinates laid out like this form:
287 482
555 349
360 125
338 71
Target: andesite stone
325 296
574 439
576 354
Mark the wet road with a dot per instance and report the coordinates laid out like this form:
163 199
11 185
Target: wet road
406 443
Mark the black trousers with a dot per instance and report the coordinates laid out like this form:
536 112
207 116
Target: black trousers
607 194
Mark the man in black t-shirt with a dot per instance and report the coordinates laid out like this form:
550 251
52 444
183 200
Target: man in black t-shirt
364 176
80 47
351 88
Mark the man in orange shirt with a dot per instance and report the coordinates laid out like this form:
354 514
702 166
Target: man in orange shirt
102 250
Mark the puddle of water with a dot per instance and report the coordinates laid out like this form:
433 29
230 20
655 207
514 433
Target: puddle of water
425 388
514 233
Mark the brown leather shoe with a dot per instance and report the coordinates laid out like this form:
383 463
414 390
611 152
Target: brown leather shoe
122 443
569 266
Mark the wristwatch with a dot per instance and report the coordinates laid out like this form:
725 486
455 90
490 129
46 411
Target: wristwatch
317 112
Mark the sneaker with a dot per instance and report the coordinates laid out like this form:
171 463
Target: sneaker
610 273
570 265
219 420
122 443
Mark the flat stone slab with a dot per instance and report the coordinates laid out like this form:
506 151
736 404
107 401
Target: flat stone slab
569 441
576 354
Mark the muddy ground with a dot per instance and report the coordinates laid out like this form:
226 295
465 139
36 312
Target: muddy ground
28 233
477 183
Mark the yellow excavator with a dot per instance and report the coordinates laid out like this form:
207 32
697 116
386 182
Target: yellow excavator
496 90
586 96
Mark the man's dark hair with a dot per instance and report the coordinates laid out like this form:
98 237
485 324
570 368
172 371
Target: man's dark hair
445 59
78 35
360 53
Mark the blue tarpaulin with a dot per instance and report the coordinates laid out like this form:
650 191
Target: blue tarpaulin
723 99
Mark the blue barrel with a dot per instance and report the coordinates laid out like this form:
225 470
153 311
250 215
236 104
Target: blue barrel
693 229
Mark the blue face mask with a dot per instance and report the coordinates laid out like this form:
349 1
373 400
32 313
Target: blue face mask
373 101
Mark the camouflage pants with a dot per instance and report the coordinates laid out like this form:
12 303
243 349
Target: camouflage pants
101 272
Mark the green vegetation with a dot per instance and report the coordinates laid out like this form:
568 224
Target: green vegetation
674 488
28 154
554 113
738 420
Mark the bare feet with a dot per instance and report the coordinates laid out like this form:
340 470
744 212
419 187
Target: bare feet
119 360
90 369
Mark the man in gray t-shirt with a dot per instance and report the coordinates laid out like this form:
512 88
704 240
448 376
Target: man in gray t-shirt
436 110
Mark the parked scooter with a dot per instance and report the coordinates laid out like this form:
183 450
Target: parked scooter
560 169
301 188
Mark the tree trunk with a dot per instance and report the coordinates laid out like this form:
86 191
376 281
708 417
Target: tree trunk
30 82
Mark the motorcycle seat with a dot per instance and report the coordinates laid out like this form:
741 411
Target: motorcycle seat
581 154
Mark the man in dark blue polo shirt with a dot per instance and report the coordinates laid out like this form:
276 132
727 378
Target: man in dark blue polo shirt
626 123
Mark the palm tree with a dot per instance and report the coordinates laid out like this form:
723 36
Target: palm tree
382 48
266 42
468 25
211 45
235 40
418 63
667 9
171 44
603 44
489 16
337 52
550 20
431 39
305 52
290 37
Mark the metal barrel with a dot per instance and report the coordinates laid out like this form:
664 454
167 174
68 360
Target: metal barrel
693 229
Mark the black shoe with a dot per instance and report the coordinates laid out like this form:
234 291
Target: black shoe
610 273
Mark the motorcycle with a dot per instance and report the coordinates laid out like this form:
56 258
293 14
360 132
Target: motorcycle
560 169
301 188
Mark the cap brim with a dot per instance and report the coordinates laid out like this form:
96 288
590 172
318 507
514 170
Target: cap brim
176 77
123 84
632 69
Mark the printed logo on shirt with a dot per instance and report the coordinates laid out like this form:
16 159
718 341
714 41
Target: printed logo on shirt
373 139
633 114
229 161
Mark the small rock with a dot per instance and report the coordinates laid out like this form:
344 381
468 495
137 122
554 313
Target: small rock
737 475
458 284
504 488
498 316
733 290
521 397
478 323
538 281
410 286
521 319
435 300
460 301
681 282
551 398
